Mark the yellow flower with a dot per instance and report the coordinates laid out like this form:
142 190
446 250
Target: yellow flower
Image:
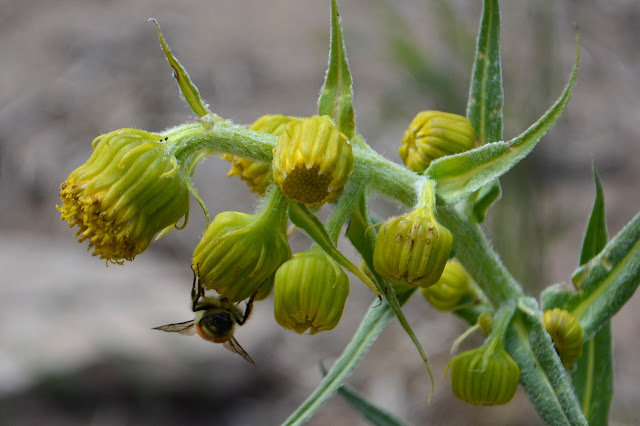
257 174
239 253
413 247
310 292
452 287
129 190
312 161
484 376
434 134
566 332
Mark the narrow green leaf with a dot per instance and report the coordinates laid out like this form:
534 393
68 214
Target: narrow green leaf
593 377
606 282
336 97
302 217
541 372
596 237
363 237
188 89
461 174
486 99
486 96
373 413
372 325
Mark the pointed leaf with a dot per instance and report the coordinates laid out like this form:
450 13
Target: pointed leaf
606 282
595 238
188 89
336 97
461 174
373 413
302 217
486 96
362 235
371 326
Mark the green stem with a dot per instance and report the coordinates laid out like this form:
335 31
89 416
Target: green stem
483 264
273 211
370 168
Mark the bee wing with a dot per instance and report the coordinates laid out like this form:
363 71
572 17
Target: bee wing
186 328
235 347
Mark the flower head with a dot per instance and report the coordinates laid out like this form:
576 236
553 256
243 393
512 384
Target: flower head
239 253
310 292
129 190
484 376
434 134
566 332
312 161
413 247
452 287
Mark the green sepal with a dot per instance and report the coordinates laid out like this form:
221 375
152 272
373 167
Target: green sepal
461 174
188 89
486 100
336 96
374 414
370 328
541 373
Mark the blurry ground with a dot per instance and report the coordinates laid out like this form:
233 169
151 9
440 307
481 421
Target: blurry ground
75 339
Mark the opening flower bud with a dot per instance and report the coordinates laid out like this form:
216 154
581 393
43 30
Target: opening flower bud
310 292
239 253
453 286
258 174
484 376
566 332
413 247
129 190
434 134
312 161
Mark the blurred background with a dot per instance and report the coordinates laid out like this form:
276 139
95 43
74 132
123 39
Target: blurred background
76 345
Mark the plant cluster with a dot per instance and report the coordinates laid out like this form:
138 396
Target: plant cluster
136 187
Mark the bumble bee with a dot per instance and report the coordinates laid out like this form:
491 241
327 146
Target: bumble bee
215 320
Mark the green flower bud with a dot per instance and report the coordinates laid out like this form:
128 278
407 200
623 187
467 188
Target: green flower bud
566 332
434 134
453 286
413 247
258 174
484 376
129 190
310 292
239 253
312 161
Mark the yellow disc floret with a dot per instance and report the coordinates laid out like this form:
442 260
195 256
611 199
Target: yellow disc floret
129 190
434 134
312 161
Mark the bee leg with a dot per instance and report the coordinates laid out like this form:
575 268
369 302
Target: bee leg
197 291
249 307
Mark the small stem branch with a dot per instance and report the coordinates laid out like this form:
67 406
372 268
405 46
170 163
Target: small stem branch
342 211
